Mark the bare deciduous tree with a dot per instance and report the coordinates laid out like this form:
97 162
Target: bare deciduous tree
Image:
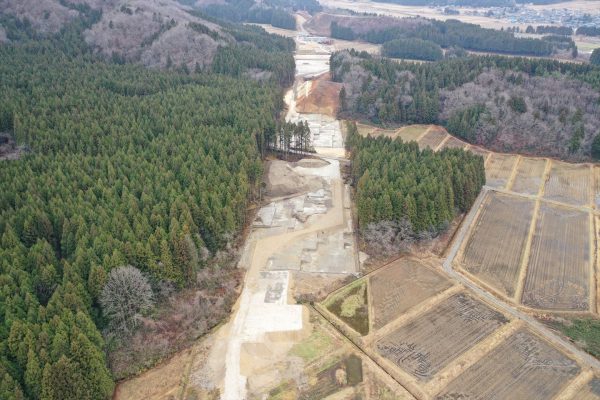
386 238
126 295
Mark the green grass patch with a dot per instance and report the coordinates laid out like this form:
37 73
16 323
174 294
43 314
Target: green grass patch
351 305
585 332
314 346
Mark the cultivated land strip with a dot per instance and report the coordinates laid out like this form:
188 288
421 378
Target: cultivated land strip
501 305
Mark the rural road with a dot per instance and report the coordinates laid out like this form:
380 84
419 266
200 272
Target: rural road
507 308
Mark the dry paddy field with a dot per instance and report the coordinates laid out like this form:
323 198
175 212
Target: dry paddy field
534 239
433 139
498 169
427 344
522 367
440 341
494 251
558 273
401 286
589 391
569 183
529 175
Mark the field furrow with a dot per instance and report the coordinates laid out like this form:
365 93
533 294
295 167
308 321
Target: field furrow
401 286
568 183
433 138
529 175
427 344
498 169
558 269
494 250
523 367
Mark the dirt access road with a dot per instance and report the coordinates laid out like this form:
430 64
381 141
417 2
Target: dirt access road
264 308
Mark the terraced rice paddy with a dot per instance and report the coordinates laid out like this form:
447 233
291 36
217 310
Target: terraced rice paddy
412 132
428 343
569 183
522 367
559 266
494 250
454 143
400 287
529 175
498 169
433 138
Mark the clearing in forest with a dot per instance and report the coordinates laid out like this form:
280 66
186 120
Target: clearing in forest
425 345
522 367
494 250
569 183
401 286
559 266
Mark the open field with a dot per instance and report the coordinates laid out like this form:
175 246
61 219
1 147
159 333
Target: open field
498 169
427 344
528 178
400 286
558 274
433 138
494 250
523 367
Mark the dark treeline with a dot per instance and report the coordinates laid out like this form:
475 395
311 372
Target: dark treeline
550 29
278 13
342 32
397 182
256 49
588 31
455 33
126 166
415 49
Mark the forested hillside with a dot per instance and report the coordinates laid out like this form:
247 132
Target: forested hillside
450 33
506 104
412 193
279 13
160 34
125 166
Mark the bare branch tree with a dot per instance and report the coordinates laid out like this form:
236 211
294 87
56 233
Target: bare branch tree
125 297
386 238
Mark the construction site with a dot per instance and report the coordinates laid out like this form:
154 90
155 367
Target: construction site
312 322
